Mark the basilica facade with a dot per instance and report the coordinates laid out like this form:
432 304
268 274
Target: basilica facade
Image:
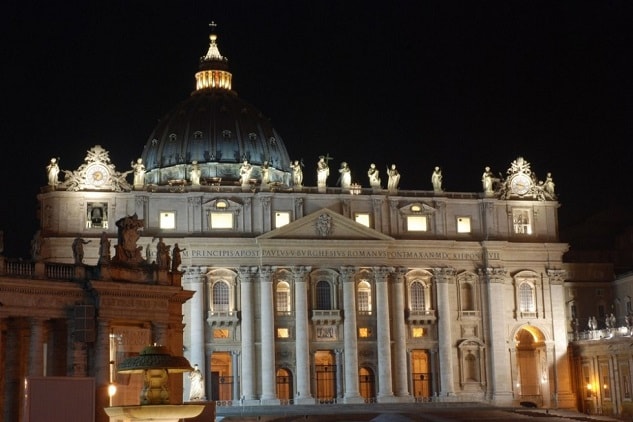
295 294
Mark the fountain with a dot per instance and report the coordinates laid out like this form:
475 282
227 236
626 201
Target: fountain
155 363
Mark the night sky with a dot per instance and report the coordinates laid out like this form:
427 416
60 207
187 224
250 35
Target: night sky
460 85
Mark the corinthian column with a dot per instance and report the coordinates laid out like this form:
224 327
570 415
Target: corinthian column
269 378
194 280
36 348
302 346
352 394
444 276
400 337
248 341
385 392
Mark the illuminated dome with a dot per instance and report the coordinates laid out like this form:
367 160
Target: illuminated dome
216 129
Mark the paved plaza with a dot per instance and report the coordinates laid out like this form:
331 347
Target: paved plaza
402 413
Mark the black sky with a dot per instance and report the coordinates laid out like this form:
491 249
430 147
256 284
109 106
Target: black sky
461 85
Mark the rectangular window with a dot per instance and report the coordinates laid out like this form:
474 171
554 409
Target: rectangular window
221 220
521 221
283 333
417 332
97 215
626 386
416 223
281 218
364 303
220 333
463 224
364 332
283 302
362 218
168 220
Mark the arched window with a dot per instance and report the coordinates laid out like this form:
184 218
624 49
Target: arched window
323 295
526 297
282 297
363 297
418 292
221 297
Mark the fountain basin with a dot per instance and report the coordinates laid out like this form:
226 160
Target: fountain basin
158 412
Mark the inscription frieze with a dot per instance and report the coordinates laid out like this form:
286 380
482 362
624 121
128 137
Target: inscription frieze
336 253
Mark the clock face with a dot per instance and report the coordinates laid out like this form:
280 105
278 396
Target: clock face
97 175
520 184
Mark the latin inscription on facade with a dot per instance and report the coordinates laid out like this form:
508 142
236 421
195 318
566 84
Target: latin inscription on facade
335 253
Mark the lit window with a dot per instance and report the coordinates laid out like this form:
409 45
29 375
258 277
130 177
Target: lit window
167 220
362 218
364 297
463 224
220 333
364 332
416 223
526 297
521 221
417 332
281 218
221 220
419 295
283 333
282 295
220 293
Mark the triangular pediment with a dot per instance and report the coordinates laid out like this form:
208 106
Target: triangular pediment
325 224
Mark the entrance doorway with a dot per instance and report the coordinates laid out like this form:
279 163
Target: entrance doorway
325 371
420 373
222 379
532 373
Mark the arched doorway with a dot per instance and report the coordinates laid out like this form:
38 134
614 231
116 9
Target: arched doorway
531 370
325 372
366 383
284 385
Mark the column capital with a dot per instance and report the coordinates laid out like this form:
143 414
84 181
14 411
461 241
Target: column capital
381 273
556 276
347 273
265 271
246 273
444 274
493 275
299 272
